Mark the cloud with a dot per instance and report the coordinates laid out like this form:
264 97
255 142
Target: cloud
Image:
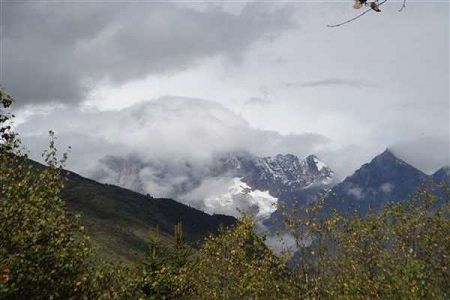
355 192
59 51
257 101
158 176
330 82
284 243
387 187
169 147
165 144
425 153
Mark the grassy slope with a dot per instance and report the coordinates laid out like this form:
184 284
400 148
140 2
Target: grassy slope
120 221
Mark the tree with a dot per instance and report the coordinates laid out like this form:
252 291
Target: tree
44 251
164 266
237 265
402 252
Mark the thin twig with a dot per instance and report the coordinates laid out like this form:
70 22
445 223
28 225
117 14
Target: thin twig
403 6
357 17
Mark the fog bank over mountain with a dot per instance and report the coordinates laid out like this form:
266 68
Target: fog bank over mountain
180 130
171 129
198 152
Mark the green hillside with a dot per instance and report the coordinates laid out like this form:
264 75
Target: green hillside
120 221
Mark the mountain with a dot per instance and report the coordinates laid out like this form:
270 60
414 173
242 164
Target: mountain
291 181
442 175
279 174
120 221
229 182
226 183
441 180
384 179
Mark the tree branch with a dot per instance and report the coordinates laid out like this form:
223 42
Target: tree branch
358 16
403 6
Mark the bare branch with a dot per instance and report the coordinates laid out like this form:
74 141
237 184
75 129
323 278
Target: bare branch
358 16
403 6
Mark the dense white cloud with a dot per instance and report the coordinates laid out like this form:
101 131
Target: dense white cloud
168 148
170 128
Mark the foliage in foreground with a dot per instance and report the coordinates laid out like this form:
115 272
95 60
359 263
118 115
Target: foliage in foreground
164 267
44 252
237 265
402 252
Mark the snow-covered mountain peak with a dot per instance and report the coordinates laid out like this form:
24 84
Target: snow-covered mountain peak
233 195
257 183
282 173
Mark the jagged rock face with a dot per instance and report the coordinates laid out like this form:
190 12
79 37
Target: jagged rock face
280 174
292 181
385 179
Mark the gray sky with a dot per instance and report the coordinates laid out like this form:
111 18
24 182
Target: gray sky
187 79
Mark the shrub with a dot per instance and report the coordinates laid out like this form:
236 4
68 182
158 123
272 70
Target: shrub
237 265
402 252
44 252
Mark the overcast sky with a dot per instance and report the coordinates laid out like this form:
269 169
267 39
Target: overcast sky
187 79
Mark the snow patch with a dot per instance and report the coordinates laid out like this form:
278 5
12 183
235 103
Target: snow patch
320 165
229 196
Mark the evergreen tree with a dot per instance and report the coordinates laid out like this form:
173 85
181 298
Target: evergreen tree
164 266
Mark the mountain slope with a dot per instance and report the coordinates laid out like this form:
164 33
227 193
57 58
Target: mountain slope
291 181
384 179
442 175
226 183
279 174
120 220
